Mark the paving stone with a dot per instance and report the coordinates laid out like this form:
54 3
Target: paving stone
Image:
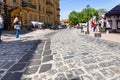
25 58
57 59
116 78
30 52
106 64
69 74
73 65
48 41
51 72
45 68
17 67
12 76
63 69
34 57
34 63
47 58
98 76
40 47
33 48
8 65
78 71
50 79
89 61
31 70
86 77
36 77
60 77
68 57
116 70
91 68
85 53
59 64
35 45
1 72
38 52
46 53
107 73
47 46
117 63
67 61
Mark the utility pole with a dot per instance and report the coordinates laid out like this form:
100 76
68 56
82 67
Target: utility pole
88 32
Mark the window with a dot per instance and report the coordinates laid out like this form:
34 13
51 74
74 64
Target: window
14 0
118 24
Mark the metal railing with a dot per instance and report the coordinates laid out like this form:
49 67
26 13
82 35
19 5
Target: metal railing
29 5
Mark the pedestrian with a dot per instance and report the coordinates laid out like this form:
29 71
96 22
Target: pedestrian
17 26
1 26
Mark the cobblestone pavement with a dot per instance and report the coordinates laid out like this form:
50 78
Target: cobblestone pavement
66 55
16 55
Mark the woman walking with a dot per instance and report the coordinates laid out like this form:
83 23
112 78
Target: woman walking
1 25
17 25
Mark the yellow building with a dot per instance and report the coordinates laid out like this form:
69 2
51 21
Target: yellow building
35 10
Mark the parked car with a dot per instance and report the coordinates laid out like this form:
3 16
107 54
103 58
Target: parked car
79 27
61 27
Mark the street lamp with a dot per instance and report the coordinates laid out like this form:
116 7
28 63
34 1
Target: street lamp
88 6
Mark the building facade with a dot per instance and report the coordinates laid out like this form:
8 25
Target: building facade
34 10
113 16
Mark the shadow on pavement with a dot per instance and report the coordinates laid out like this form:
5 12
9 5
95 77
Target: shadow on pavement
6 33
15 57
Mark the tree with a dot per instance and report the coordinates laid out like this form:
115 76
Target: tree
82 17
73 18
101 11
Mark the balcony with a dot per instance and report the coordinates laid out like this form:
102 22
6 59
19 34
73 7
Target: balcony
29 5
49 3
49 12
58 9
58 15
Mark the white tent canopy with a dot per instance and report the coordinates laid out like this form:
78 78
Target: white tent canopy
35 22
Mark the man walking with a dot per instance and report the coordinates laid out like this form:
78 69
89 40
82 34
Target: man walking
1 25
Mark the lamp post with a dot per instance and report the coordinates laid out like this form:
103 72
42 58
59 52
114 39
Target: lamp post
88 32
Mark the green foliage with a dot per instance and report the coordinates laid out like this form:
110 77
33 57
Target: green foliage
81 17
73 18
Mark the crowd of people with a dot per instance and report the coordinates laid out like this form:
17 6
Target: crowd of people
100 25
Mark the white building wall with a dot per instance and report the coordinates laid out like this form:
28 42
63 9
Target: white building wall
114 23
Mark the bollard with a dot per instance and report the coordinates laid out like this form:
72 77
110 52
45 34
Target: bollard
97 34
86 32
82 31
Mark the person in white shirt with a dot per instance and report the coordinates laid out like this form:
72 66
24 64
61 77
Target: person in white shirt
1 25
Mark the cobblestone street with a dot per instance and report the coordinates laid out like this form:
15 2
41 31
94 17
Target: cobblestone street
59 55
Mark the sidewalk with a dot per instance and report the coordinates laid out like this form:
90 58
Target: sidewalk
10 35
115 37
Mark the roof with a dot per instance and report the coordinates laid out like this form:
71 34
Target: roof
64 20
114 11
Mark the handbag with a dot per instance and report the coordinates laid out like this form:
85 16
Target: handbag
17 26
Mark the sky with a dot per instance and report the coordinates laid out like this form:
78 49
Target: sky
68 6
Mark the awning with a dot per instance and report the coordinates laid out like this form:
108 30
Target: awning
35 22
